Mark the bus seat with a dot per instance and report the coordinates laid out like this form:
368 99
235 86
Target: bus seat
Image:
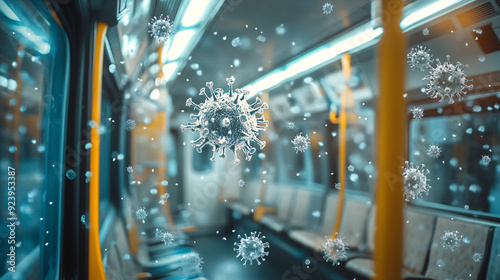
306 203
277 222
354 222
247 199
494 265
313 239
443 263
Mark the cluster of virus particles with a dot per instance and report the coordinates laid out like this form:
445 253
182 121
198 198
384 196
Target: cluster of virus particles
163 198
141 214
419 58
415 181
251 248
160 28
334 250
434 151
227 121
301 143
165 237
451 239
327 8
418 113
447 80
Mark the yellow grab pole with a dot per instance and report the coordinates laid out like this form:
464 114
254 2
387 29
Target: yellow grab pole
391 125
96 269
346 68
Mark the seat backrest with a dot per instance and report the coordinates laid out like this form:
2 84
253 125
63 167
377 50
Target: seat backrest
354 222
285 200
250 193
117 257
306 202
418 229
371 228
458 264
328 214
494 264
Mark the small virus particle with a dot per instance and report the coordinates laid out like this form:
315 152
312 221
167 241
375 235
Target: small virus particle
415 181
163 198
236 42
418 113
425 32
434 151
88 175
164 236
141 214
337 186
241 183
191 261
334 250
160 28
477 257
129 125
130 169
350 168
70 174
251 248
447 80
485 159
300 143
420 58
227 121
261 38
451 239
327 8
290 125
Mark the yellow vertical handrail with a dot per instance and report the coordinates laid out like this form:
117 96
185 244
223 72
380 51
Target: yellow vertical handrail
346 68
96 269
391 142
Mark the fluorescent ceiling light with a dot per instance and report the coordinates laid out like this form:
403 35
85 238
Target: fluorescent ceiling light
427 11
180 43
169 69
194 12
315 58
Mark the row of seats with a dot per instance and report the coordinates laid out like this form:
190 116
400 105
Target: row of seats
307 217
133 251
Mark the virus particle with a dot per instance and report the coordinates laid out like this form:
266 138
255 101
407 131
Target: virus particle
433 151
88 175
164 236
350 168
70 174
418 113
227 121
160 28
141 214
261 38
251 248
241 183
129 125
300 143
334 250
485 159
447 80
420 58
327 8
451 239
163 198
191 261
425 32
337 186
415 181
130 169
477 257
290 125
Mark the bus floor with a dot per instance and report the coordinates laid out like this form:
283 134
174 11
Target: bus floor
285 260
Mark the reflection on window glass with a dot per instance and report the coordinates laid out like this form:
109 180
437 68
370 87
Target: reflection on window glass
459 175
201 161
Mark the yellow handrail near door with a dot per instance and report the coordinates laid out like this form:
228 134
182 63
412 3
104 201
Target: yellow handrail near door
391 125
96 269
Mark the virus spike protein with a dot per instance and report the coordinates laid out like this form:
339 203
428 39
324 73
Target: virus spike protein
227 121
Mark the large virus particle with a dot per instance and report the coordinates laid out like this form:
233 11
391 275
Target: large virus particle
227 121
420 58
447 80
433 151
191 261
418 113
251 248
141 214
327 8
160 28
300 143
415 181
165 237
334 250
451 239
